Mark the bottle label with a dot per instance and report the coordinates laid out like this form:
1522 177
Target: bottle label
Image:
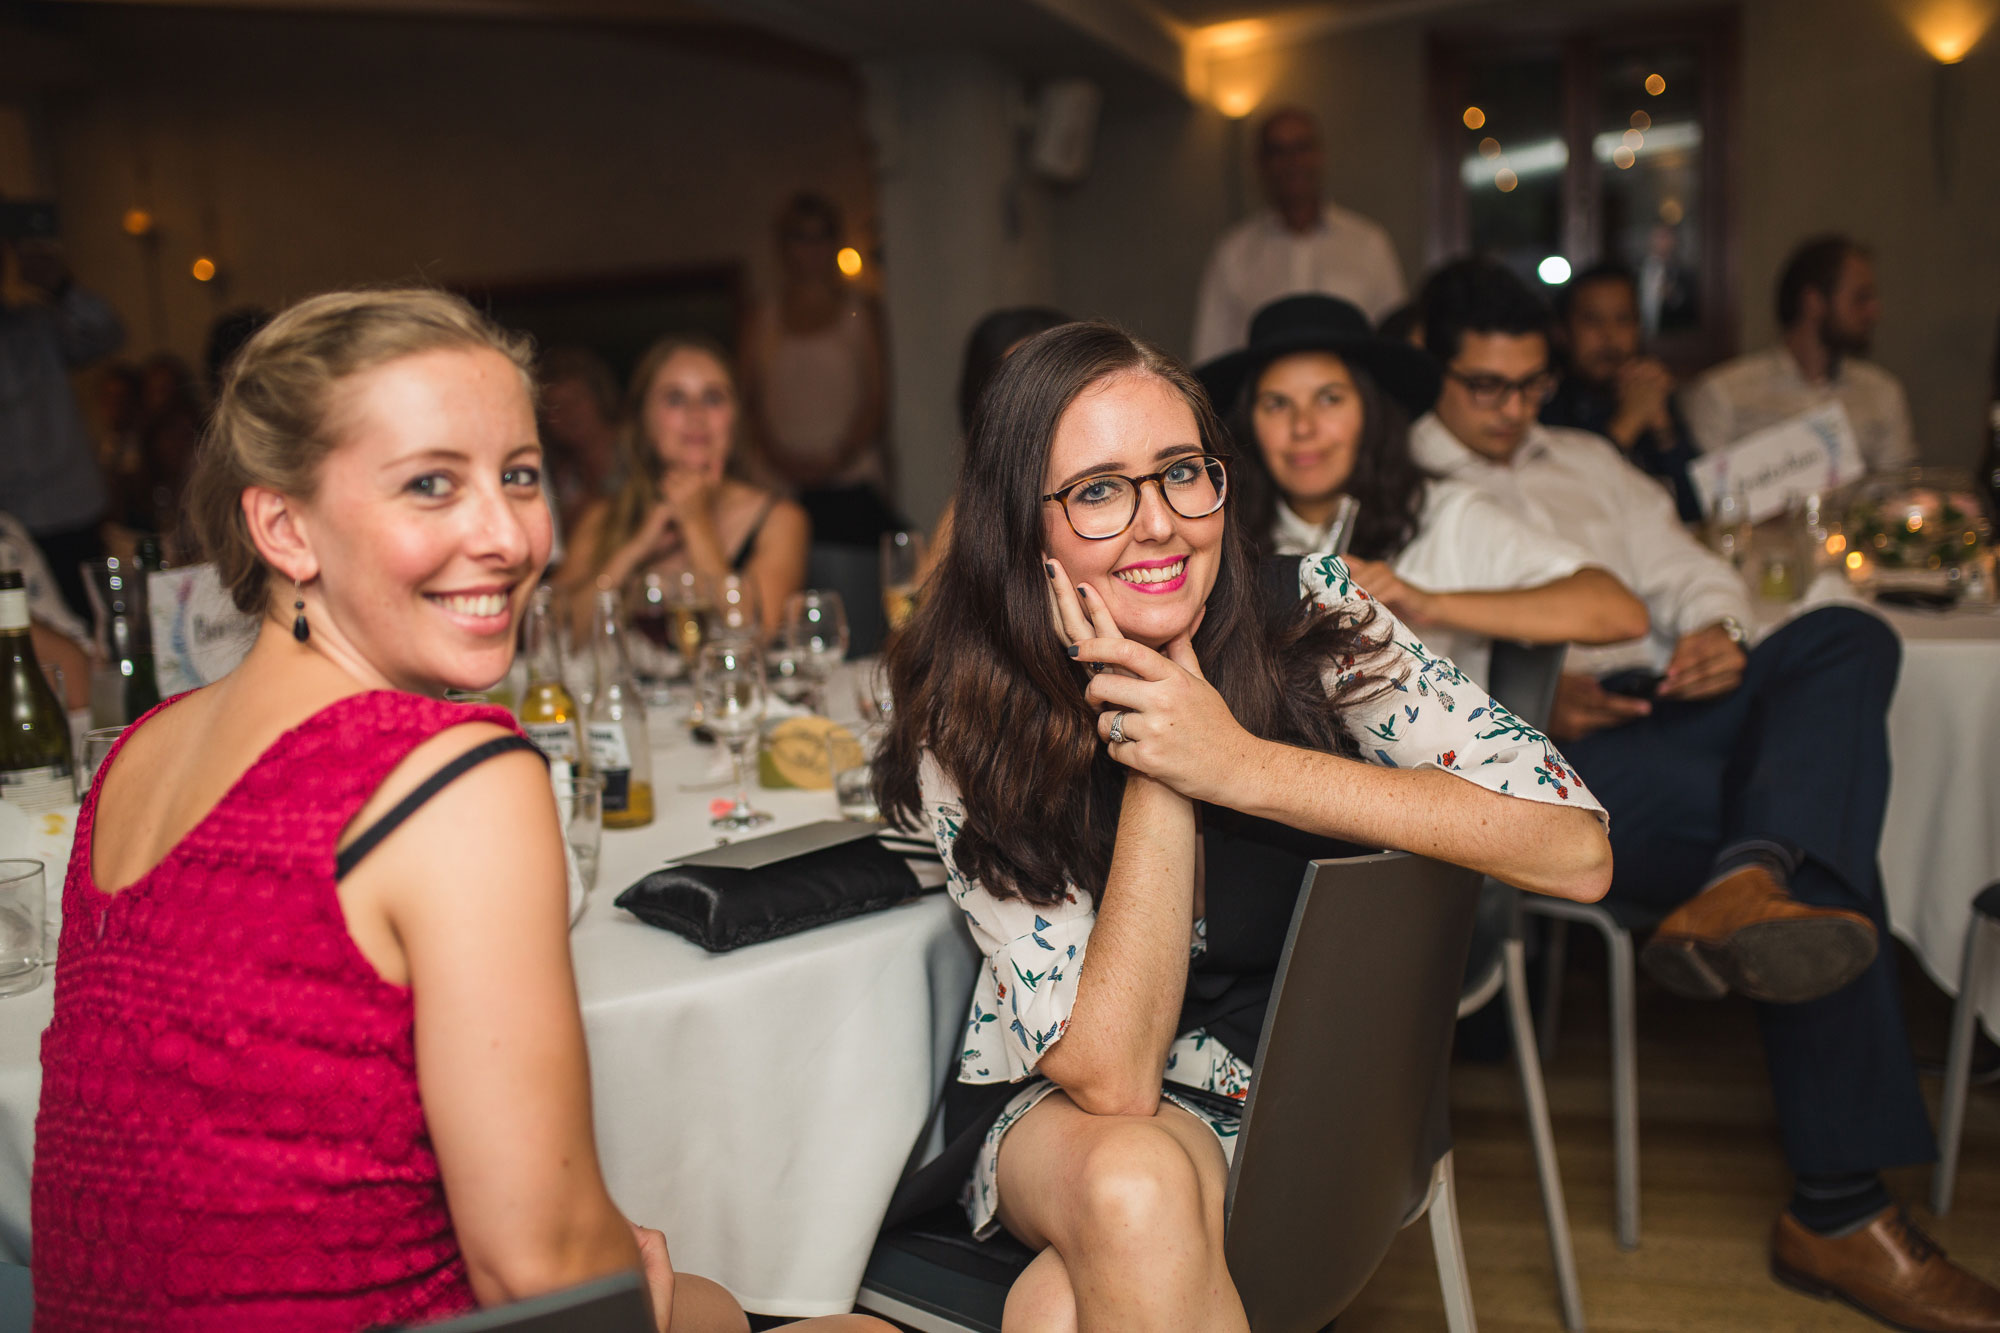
557 740
612 758
37 790
13 609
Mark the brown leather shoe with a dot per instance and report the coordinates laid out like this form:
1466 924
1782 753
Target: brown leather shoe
1886 1268
1746 934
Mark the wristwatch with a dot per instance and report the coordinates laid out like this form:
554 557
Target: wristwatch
1733 627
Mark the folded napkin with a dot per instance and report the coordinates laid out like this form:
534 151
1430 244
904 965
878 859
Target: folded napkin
726 907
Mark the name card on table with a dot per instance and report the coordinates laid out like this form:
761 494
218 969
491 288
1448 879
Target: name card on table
1814 451
198 634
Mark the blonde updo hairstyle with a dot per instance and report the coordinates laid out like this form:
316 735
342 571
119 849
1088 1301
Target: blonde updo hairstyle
274 422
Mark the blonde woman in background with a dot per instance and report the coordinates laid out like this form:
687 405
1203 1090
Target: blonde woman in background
679 508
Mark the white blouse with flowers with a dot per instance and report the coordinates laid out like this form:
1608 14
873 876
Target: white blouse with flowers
1434 717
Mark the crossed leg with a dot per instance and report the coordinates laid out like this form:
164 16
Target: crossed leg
1127 1213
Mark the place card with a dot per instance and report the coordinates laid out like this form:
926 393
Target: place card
1814 451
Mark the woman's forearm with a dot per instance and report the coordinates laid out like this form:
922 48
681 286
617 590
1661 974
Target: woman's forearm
1589 606
1112 1054
1557 850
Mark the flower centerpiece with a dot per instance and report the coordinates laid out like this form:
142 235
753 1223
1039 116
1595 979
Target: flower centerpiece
1921 527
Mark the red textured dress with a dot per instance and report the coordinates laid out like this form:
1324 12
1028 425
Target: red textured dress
230 1136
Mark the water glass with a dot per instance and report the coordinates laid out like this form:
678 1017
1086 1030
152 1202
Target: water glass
1729 527
21 907
580 807
730 682
902 572
816 637
737 612
849 761
97 743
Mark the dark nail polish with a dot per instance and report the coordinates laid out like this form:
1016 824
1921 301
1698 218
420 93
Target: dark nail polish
1050 565
1072 650
1082 590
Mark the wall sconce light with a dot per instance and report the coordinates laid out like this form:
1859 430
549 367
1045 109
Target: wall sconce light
1947 30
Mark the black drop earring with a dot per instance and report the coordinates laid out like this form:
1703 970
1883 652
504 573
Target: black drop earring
300 630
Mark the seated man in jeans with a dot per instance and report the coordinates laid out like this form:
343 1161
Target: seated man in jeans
1746 799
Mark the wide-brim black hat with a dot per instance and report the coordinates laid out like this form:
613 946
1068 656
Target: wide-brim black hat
1316 323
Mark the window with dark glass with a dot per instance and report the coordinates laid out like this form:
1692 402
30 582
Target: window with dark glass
1559 147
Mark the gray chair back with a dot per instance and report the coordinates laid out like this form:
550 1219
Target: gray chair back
1523 676
855 572
1345 1118
615 1304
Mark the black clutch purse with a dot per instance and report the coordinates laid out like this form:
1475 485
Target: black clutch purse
723 907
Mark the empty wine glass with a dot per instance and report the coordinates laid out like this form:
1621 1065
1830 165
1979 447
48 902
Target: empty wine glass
815 637
731 685
737 612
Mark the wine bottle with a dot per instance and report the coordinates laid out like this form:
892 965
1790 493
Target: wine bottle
36 766
616 730
548 711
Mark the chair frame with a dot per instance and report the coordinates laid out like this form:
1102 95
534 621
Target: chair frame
1982 939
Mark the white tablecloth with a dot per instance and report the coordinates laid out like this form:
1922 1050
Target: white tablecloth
1941 840
756 1106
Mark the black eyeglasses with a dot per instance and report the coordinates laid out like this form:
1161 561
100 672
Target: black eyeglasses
1493 390
1103 506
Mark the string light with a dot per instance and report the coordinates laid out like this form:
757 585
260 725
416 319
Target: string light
137 222
1655 84
849 260
203 269
1474 118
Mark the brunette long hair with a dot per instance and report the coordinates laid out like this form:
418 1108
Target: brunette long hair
1387 482
980 676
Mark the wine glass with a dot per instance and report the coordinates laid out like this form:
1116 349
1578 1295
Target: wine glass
731 685
902 565
815 636
738 612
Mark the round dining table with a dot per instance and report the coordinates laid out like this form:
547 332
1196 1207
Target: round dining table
757 1106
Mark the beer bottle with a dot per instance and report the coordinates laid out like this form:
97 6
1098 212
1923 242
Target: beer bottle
616 730
548 713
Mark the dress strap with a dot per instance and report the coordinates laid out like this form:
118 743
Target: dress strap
749 542
350 855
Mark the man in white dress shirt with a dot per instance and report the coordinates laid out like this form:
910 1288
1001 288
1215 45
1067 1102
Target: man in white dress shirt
1828 307
1746 798
1299 244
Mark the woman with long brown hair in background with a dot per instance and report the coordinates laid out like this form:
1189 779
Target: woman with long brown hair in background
680 507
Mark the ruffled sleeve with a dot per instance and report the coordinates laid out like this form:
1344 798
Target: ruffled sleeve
1022 998
1434 715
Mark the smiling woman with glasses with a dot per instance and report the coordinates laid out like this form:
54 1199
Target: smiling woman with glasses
1126 764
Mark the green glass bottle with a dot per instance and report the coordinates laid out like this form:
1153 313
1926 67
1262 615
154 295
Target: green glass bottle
36 766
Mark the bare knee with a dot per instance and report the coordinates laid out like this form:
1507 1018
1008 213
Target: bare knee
1041 1299
1138 1186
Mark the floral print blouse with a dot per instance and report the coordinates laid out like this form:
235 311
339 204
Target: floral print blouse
1433 717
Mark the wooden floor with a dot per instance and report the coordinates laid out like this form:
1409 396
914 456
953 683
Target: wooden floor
1712 1179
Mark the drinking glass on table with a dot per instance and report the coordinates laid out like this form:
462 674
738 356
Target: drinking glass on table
848 760
97 743
730 682
902 561
815 635
1729 527
580 807
21 905
737 611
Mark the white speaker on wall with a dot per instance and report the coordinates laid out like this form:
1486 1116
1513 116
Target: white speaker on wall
1065 129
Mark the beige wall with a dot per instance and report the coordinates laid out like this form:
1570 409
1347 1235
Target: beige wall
1836 132
310 152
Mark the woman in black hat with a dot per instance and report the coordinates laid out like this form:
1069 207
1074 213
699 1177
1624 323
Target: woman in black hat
1323 410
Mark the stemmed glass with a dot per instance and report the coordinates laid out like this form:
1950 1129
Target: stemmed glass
737 613
816 638
730 683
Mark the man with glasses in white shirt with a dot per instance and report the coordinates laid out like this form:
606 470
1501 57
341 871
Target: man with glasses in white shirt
1746 788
